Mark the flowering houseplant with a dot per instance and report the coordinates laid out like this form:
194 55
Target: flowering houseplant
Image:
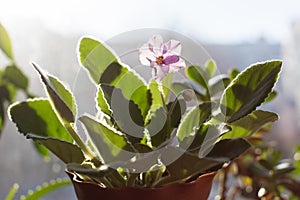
148 135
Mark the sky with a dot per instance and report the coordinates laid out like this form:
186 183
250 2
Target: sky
217 21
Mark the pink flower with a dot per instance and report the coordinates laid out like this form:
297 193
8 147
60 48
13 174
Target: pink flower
162 57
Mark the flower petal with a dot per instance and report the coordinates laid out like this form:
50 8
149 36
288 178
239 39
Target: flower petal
171 59
174 47
145 55
166 47
161 71
178 65
157 42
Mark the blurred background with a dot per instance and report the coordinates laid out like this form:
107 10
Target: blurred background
235 34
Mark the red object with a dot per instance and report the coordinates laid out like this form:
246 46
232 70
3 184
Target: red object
195 190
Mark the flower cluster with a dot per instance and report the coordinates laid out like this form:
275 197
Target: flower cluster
162 57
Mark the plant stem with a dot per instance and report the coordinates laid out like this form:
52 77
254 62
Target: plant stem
80 143
172 107
161 91
164 103
223 177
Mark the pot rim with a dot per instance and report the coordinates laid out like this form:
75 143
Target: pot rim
74 177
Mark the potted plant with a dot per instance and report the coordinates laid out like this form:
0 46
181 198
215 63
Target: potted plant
158 139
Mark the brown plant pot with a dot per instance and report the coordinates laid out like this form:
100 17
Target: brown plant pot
195 190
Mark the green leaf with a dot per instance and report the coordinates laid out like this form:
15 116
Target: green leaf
15 76
36 116
186 166
102 104
198 75
142 148
193 120
259 170
212 135
162 124
45 189
233 148
65 151
205 137
181 169
283 168
60 96
142 163
104 174
13 190
92 172
42 150
104 67
296 161
178 88
156 95
176 109
233 73
218 84
158 127
111 145
154 174
125 113
271 96
63 93
167 83
251 123
249 89
211 66
5 43
95 56
132 86
185 90
2 116
7 92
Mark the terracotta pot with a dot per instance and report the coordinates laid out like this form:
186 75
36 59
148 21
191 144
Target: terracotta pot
195 190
